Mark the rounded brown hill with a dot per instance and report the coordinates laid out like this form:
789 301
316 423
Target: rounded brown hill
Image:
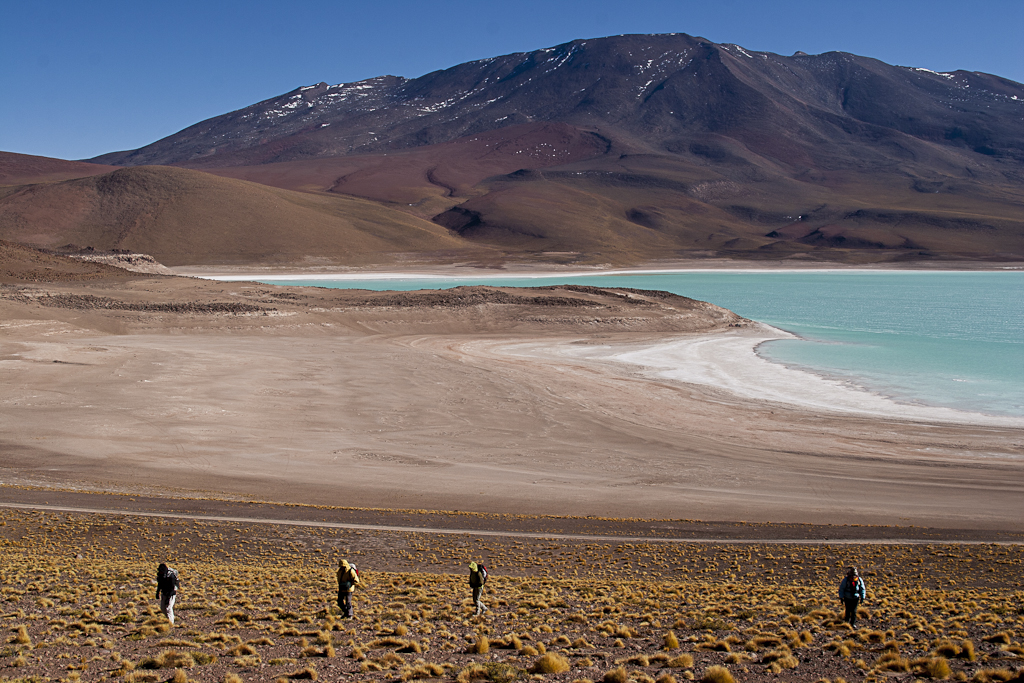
23 169
182 216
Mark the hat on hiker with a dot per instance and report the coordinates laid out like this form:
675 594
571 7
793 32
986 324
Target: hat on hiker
343 563
472 566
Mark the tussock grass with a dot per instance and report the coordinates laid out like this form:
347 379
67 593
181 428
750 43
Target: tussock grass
936 668
997 676
422 669
683 661
717 674
616 675
551 663
630 623
169 659
492 671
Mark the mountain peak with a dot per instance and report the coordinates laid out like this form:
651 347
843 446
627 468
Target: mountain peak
662 92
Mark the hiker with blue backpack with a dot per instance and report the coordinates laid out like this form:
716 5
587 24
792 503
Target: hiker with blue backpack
852 592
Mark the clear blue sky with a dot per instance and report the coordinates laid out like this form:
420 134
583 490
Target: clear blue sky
79 78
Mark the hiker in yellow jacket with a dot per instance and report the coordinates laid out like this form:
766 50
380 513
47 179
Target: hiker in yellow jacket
348 578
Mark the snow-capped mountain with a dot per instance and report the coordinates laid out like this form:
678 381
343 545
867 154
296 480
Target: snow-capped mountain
664 93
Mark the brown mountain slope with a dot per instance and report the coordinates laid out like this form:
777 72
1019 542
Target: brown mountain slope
23 169
653 147
668 208
186 217
424 180
458 202
619 206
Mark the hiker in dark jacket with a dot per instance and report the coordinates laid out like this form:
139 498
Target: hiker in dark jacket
166 590
477 579
852 592
348 577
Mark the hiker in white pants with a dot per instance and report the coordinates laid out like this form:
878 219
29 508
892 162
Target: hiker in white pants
166 590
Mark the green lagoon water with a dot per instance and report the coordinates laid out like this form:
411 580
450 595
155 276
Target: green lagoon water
950 339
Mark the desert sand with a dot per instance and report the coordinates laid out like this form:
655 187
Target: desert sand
489 400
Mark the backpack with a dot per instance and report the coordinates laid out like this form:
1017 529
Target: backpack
483 573
172 579
351 575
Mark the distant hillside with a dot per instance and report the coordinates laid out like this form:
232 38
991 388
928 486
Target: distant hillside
664 93
621 150
633 148
181 216
21 169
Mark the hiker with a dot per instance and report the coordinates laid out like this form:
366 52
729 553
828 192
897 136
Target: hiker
166 590
348 577
477 579
852 592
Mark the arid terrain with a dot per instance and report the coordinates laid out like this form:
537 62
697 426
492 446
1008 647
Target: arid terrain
425 400
257 602
635 529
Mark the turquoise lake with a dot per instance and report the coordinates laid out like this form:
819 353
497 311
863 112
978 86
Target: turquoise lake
950 339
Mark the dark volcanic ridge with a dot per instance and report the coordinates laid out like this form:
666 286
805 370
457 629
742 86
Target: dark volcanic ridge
669 92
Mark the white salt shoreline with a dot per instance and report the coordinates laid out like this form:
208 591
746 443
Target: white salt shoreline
729 362
463 273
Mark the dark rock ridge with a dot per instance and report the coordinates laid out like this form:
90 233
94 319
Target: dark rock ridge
671 93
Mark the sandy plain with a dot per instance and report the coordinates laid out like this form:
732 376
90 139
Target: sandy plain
482 400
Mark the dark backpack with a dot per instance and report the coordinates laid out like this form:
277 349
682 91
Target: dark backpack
483 573
171 580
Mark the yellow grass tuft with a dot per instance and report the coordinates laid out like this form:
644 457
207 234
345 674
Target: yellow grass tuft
616 675
936 668
169 659
481 647
421 669
994 676
551 663
498 672
684 661
717 674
